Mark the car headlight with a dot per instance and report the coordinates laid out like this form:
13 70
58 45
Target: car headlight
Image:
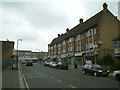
99 70
107 70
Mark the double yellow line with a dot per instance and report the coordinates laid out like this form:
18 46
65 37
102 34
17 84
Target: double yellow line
25 83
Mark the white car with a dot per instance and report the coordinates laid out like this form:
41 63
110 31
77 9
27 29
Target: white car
52 64
116 74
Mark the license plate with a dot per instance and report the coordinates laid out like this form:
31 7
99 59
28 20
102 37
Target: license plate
104 73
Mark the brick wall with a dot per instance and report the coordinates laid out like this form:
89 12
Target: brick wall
7 51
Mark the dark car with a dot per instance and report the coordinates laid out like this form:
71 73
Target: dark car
29 62
95 70
61 65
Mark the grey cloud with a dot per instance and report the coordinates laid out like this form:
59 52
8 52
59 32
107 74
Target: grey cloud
46 18
40 14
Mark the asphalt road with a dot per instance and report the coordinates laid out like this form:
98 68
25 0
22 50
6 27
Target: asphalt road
40 76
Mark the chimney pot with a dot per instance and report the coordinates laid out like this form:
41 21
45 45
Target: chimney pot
81 20
105 6
58 35
67 30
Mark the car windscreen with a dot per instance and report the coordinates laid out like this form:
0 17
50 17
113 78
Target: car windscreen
53 62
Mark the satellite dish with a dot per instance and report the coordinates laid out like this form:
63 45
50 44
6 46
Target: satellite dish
100 41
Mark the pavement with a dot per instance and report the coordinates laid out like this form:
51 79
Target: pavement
12 78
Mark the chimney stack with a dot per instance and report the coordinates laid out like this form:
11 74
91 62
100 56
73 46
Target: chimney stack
58 35
81 20
105 6
67 30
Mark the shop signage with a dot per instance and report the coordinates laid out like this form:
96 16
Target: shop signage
70 56
115 44
88 53
96 46
78 54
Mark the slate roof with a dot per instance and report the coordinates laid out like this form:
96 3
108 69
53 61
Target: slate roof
80 28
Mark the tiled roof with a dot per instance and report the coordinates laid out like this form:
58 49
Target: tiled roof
78 29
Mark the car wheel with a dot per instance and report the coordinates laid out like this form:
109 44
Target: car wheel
117 77
83 72
95 74
59 67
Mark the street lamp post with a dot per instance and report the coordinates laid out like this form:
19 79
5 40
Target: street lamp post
17 53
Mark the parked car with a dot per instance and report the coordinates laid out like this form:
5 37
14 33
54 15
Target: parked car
40 61
52 64
22 61
29 62
95 70
61 65
116 74
46 63
35 60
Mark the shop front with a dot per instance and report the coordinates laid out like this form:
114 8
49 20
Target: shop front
78 59
92 56
64 57
58 58
70 58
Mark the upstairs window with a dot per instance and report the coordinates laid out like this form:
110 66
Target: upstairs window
95 31
81 37
86 34
63 42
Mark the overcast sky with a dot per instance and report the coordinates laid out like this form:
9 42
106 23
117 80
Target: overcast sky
38 23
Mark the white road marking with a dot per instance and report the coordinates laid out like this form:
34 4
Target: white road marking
72 86
51 77
59 81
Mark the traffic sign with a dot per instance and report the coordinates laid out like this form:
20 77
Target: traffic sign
115 44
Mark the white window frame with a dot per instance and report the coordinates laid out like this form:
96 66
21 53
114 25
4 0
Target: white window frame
70 40
70 48
86 46
91 45
51 47
63 43
95 42
78 37
63 50
86 34
81 37
55 46
95 31
59 45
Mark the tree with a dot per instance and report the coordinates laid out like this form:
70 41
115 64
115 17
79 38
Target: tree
106 60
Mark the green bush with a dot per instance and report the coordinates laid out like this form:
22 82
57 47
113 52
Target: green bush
116 65
99 61
106 60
